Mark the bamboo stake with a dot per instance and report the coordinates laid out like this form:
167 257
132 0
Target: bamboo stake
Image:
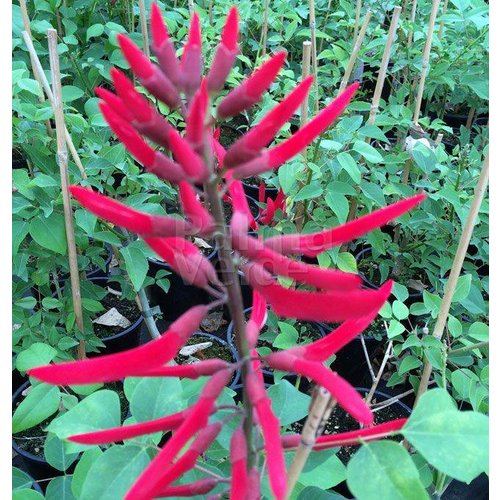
441 25
62 158
210 12
48 92
425 61
27 28
358 17
144 28
412 20
317 409
314 55
355 51
325 22
265 27
191 7
306 70
456 268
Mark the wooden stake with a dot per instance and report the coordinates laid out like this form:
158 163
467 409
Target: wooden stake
210 12
355 51
48 91
265 27
384 65
358 17
456 268
306 70
441 24
470 118
27 28
314 55
62 158
144 28
425 60
317 408
412 20
191 7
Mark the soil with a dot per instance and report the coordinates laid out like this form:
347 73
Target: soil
340 421
216 350
125 307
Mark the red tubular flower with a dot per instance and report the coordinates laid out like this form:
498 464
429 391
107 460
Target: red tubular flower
346 396
191 162
238 458
195 125
262 192
201 487
163 47
114 102
348 438
257 318
191 59
254 249
267 215
253 484
153 161
240 202
117 434
193 370
251 90
150 76
329 306
219 150
112 367
185 259
313 244
151 479
124 216
250 145
198 215
225 55
275 157
271 432
146 120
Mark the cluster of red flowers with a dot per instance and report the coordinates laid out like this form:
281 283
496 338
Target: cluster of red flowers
338 296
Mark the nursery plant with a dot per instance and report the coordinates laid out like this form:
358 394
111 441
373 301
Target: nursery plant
186 435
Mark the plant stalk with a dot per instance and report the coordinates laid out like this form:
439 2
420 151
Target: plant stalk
62 157
314 54
468 348
144 28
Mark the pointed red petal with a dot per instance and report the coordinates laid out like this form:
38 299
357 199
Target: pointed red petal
230 34
195 126
313 244
139 63
112 367
239 200
114 102
191 162
191 59
159 31
238 459
198 215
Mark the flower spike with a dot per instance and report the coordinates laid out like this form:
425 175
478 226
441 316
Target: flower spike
124 216
163 47
114 102
313 244
251 144
329 306
112 367
275 157
251 90
191 59
150 76
225 55
195 125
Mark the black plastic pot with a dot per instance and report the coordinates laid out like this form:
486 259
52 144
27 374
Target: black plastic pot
478 489
180 297
18 160
268 374
36 467
213 338
238 388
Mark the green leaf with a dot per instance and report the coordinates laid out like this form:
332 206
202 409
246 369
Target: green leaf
454 442
136 265
400 310
26 494
479 331
41 402
315 493
308 192
287 337
339 204
323 469
289 404
348 163
384 470
82 468
463 288
50 232
59 489
30 85
36 354
369 153
409 363
112 473
20 480
100 410
27 303
56 455
373 192
395 329
71 93
94 31
347 262
156 397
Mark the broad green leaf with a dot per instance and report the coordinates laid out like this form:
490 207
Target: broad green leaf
369 153
56 455
41 402
479 331
346 262
289 404
409 363
59 489
94 31
308 192
112 474
287 337
439 431
384 470
315 493
26 494
20 480
82 468
50 232
348 163
339 204
100 410
36 354
71 93
136 264
400 310
463 288
323 469
395 329
156 397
